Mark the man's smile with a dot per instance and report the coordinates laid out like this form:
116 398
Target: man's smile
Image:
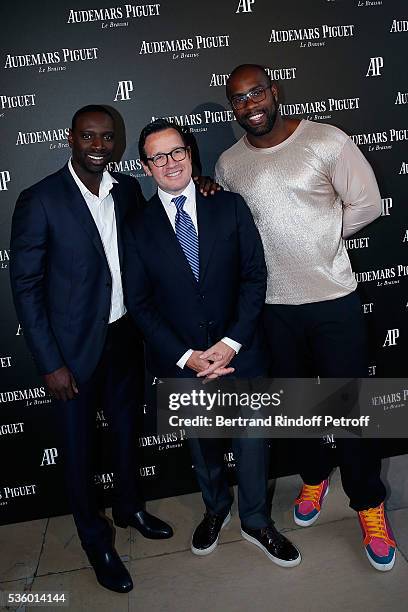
174 173
256 117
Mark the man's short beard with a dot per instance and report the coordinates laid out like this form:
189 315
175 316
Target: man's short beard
261 130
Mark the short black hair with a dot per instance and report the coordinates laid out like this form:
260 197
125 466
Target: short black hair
90 108
159 125
245 67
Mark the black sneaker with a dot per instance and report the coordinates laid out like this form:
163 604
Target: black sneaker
205 536
274 544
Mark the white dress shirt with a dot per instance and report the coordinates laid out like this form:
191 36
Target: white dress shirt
191 209
102 210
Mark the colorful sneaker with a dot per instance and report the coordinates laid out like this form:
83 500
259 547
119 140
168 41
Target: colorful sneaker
309 503
379 541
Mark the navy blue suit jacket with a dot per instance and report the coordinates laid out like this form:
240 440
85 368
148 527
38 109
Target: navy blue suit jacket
60 276
172 310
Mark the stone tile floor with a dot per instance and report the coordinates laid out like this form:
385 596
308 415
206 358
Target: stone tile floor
334 574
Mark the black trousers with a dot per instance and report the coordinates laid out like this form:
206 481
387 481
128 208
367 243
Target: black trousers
327 339
252 466
252 458
116 386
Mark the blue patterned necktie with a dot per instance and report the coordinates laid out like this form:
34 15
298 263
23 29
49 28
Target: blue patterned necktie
187 235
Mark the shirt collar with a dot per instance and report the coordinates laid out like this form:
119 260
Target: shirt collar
188 191
105 187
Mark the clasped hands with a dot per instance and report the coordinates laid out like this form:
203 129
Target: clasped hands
213 362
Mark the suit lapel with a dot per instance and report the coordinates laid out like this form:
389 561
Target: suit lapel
77 205
164 235
121 207
207 230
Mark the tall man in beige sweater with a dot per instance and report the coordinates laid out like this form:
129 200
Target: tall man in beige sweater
308 187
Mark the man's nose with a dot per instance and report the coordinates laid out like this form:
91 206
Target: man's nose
171 162
98 142
249 103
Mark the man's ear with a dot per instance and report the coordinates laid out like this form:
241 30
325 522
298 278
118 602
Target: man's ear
146 169
70 137
275 92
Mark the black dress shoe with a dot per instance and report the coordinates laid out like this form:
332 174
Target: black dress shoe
109 569
149 526
205 537
274 544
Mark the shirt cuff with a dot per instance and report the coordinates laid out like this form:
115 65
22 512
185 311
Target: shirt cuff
183 360
232 344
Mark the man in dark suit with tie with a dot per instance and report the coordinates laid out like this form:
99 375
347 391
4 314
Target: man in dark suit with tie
195 280
66 278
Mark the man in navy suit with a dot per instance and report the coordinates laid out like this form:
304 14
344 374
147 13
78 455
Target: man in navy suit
195 281
66 278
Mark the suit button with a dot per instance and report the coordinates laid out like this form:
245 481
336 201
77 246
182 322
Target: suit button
108 284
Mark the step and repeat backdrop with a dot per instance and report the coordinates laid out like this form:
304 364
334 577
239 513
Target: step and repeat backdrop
337 61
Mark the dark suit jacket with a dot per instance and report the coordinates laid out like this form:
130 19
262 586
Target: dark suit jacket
173 311
60 276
